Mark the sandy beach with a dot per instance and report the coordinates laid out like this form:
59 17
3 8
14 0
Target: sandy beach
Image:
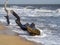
13 40
8 37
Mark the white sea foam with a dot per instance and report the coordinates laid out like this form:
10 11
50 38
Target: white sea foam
32 12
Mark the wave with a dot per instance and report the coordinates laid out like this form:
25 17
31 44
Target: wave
58 10
29 7
32 12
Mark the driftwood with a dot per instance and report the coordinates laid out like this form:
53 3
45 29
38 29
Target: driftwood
28 29
7 18
33 32
16 15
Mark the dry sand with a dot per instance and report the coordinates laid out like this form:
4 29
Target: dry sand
7 37
13 40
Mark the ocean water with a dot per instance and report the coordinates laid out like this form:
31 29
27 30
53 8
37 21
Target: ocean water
46 19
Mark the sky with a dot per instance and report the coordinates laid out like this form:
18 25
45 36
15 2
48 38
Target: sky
31 1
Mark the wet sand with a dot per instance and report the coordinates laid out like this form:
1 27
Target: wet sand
8 37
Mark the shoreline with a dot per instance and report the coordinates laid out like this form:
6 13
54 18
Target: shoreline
8 37
34 43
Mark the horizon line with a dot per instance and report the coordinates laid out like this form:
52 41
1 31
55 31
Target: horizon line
34 4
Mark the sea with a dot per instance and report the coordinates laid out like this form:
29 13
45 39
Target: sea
45 17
